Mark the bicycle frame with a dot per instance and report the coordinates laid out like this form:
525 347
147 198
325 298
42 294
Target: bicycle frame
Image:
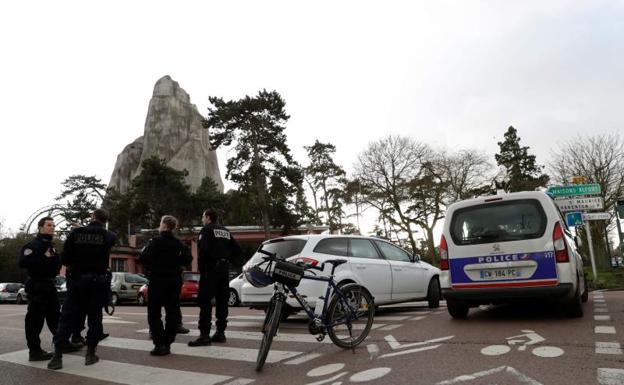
331 287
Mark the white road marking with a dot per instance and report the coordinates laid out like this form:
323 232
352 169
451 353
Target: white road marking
599 300
417 318
390 327
373 350
370 374
325 370
602 318
609 376
495 350
122 373
548 351
409 351
218 352
602 310
303 358
608 348
391 318
507 369
394 344
337 376
116 321
257 336
604 329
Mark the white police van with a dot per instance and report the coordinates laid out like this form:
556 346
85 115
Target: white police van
502 248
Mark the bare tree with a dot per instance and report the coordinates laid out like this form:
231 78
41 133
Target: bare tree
599 159
385 170
468 173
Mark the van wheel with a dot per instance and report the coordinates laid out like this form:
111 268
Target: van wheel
575 306
433 293
585 295
456 309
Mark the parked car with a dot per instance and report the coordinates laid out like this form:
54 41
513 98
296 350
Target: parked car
188 292
125 287
59 283
391 274
236 286
509 247
9 291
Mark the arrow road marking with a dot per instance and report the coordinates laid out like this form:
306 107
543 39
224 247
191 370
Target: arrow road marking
508 369
394 344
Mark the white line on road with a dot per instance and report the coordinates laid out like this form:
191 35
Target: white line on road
391 318
599 300
390 327
417 318
602 318
121 373
508 369
608 348
608 376
257 336
409 351
601 310
302 359
604 329
218 352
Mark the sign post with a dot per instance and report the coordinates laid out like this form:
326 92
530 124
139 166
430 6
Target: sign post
591 249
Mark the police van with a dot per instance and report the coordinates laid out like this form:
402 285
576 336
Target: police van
502 248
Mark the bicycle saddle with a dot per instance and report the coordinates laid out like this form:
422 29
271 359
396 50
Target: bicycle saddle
336 262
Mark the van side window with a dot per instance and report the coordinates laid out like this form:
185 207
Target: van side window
332 246
392 252
363 248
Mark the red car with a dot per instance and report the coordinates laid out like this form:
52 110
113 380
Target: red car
188 292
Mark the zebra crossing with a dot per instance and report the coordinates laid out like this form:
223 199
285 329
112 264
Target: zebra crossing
292 346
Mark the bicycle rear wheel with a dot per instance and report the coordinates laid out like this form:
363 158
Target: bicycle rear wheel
269 329
351 318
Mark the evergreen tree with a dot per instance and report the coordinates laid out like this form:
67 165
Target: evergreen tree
256 126
84 194
522 173
328 179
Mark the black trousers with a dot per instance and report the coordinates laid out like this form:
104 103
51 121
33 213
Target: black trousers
164 292
87 295
214 283
43 306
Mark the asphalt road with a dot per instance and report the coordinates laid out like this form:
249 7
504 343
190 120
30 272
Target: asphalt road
410 344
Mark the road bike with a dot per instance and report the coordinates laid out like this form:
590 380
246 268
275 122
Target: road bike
347 317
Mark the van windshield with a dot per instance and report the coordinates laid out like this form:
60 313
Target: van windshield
498 222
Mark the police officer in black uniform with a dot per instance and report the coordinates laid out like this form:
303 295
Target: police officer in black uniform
216 248
163 257
43 264
86 253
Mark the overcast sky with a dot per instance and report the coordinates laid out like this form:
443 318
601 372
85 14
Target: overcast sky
77 78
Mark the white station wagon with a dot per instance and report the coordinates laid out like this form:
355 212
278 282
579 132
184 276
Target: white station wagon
390 274
509 247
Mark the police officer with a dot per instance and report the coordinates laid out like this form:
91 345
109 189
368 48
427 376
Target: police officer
163 257
43 264
216 248
86 252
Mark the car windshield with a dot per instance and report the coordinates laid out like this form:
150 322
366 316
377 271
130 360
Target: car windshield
498 222
191 277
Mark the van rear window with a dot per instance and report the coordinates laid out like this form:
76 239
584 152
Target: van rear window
498 222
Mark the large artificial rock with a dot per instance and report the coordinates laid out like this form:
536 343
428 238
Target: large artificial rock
173 132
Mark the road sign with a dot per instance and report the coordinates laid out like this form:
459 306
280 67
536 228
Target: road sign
574 219
572 190
596 216
579 204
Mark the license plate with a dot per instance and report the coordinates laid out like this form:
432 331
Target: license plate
500 274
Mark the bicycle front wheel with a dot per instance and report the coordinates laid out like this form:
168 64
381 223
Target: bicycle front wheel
350 319
269 329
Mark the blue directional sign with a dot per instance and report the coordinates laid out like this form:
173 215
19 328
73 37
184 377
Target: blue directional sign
574 219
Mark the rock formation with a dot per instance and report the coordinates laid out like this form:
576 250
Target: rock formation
173 132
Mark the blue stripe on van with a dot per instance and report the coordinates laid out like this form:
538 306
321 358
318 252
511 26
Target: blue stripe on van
546 265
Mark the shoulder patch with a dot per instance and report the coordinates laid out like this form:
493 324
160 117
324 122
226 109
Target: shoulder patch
27 252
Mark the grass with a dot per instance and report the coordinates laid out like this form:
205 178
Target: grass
608 279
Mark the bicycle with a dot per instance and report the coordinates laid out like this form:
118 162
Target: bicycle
350 309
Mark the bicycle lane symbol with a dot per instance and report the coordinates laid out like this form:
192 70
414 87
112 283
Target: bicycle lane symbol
521 341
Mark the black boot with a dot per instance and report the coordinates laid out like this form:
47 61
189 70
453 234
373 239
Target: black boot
56 362
104 336
77 339
91 358
203 340
69 347
39 355
218 337
160 350
180 329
